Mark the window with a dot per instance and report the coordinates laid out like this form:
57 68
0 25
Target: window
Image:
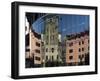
37 58
82 42
27 40
83 56
71 50
37 51
70 57
79 43
79 50
52 49
82 49
46 57
52 58
46 49
27 50
79 56
37 44
71 44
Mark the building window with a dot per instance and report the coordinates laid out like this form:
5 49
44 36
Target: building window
52 58
82 42
27 50
71 44
79 43
37 44
71 50
79 50
46 49
70 57
82 49
27 40
81 56
46 57
57 57
37 51
52 49
37 58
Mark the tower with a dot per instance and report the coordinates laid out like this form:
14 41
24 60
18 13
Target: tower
51 38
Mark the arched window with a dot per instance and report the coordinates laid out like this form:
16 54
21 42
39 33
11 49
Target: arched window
52 49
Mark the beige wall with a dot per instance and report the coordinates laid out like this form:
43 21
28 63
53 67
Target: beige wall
75 48
33 47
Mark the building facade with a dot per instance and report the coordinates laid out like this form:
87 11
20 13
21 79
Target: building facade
32 47
77 49
35 45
